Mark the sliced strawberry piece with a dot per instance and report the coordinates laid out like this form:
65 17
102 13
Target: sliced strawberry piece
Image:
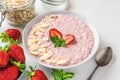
69 38
54 32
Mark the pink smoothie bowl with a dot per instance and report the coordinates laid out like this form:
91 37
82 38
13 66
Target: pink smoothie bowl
37 19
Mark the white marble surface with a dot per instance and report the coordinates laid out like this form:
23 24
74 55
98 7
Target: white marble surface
105 15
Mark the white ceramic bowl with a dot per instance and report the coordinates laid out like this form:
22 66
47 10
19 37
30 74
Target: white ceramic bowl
38 18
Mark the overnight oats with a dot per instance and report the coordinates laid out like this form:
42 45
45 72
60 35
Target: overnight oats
60 40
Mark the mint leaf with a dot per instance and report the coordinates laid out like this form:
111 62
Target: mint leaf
62 44
52 39
61 74
57 44
57 75
57 41
68 75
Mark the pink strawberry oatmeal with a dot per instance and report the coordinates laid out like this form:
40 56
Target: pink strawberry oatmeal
41 47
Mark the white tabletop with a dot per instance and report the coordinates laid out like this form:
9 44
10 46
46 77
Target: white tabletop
105 15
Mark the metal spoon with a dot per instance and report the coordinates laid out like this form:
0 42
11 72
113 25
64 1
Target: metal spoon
102 59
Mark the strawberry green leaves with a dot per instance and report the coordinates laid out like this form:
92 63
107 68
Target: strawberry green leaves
4 37
57 41
61 74
5 48
20 66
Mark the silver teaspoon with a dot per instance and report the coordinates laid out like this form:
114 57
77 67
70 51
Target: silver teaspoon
102 59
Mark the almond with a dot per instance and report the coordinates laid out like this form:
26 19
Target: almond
43 50
48 61
45 38
34 53
55 60
43 25
62 61
33 47
37 33
46 56
41 30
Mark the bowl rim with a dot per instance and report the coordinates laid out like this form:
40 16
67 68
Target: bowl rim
79 16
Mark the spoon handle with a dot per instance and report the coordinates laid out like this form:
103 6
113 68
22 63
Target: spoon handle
89 78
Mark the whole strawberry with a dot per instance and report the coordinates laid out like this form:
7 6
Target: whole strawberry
13 33
36 74
16 53
4 59
9 73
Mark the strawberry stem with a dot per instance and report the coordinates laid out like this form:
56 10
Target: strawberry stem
31 72
20 66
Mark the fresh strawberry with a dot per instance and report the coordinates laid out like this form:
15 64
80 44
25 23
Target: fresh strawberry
36 74
40 74
54 32
35 78
4 59
69 38
9 73
16 53
13 33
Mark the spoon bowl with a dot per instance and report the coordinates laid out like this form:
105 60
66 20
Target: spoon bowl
104 56
102 59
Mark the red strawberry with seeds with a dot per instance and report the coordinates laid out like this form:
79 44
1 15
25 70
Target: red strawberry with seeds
35 78
40 74
9 73
36 74
16 53
54 32
69 38
13 33
4 59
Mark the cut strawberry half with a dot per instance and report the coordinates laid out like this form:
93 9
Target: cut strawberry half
69 38
54 32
